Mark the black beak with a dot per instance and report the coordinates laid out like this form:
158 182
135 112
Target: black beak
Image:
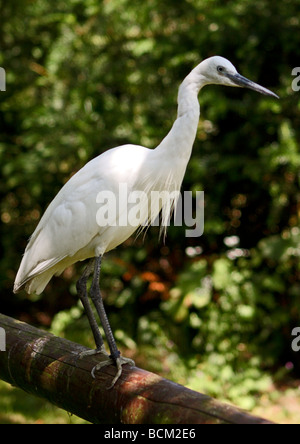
243 82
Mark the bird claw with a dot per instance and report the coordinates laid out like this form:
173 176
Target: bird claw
101 351
120 361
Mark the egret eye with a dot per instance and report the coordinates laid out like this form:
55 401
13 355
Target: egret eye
220 69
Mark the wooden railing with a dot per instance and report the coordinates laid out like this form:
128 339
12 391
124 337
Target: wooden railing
48 366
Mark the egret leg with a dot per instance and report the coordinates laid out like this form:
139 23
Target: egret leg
83 296
115 356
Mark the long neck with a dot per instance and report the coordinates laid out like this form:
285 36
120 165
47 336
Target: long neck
179 141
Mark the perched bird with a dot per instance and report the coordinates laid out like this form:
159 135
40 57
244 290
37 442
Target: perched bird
74 227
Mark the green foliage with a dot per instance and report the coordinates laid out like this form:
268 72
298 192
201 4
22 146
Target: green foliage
84 76
18 408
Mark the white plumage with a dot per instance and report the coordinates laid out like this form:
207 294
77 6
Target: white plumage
69 230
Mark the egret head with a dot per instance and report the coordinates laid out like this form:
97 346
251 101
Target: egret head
218 70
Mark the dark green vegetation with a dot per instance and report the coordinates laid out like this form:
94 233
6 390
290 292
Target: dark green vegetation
84 76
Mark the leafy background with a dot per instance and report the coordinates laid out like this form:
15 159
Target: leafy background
214 313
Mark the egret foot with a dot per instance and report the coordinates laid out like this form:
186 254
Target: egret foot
97 351
119 361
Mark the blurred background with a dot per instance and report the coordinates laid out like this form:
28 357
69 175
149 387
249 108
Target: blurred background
214 313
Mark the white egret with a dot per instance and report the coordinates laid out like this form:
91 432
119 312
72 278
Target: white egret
70 229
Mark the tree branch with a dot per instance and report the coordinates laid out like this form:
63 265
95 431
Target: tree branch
47 366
